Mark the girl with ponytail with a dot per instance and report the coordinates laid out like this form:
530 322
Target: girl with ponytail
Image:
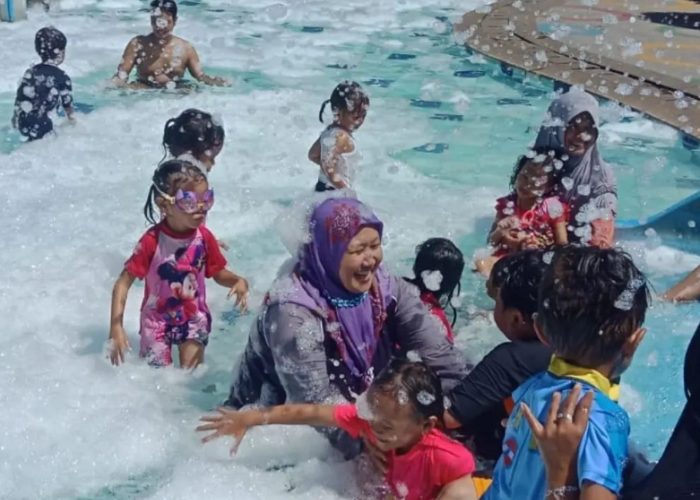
195 136
335 151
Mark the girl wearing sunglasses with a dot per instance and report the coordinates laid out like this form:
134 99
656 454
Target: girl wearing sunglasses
174 257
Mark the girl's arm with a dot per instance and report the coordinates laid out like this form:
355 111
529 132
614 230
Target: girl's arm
237 284
334 166
236 423
561 236
315 152
117 335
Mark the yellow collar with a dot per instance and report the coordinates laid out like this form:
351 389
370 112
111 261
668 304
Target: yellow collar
561 368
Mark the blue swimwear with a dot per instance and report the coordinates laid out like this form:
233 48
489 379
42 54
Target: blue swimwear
43 89
520 472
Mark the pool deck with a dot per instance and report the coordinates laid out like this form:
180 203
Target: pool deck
644 55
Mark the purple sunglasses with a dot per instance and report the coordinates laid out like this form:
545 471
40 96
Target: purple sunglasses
188 201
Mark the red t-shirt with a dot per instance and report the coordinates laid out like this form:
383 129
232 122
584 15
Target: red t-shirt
537 223
140 261
420 474
433 305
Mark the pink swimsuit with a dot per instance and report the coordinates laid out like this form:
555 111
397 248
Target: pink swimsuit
174 307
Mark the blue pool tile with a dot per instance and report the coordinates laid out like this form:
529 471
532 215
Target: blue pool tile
419 35
435 148
339 66
685 183
420 103
312 29
447 117
216 10
379 82
532 92
188 3
470 73
401 57
513 102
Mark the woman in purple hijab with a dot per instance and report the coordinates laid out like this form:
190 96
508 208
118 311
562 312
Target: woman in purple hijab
336 320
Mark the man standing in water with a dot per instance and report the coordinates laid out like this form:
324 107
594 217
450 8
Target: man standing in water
161 58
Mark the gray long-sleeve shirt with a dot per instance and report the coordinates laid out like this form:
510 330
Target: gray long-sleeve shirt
285 359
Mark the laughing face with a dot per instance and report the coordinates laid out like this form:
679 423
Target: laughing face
361 260
580 135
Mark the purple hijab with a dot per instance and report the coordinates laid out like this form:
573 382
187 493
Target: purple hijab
355 331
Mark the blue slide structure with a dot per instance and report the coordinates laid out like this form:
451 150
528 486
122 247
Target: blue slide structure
680 222
13 10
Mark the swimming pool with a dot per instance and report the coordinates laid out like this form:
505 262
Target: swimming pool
439 143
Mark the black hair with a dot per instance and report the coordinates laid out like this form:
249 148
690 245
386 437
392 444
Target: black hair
193 131
168 6
439 254
415 381
541 156
48 42
591 300
167 178
518 277
347 96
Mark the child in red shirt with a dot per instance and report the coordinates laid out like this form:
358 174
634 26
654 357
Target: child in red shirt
438 270
174 257
399 413
531 216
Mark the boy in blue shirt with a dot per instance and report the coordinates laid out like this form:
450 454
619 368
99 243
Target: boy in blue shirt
44 87
591 308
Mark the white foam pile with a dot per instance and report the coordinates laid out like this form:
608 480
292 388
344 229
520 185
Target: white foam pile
72 426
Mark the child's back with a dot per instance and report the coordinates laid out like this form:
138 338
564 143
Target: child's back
44 87
591 307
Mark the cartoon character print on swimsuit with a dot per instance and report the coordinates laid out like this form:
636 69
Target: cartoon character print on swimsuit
174 308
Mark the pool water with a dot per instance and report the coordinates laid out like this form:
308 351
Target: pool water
442 135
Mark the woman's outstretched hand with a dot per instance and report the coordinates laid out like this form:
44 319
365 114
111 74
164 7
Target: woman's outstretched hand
226 423
560 436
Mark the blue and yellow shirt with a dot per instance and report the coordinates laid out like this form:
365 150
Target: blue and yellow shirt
520 472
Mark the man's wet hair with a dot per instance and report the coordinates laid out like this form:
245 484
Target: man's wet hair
49 43
591 301
168 6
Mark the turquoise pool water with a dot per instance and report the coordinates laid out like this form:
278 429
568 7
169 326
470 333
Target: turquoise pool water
444 130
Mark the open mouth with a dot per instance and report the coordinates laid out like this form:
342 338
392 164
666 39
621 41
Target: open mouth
364 276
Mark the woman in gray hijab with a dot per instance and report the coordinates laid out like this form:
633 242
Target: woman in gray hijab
587 183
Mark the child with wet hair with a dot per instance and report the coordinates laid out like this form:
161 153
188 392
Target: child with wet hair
44 87
335 150
591 307
195 136
483 399
437 272
174 257
531 216
399 413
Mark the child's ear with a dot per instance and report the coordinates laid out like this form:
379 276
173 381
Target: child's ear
160 203
632 342
430 424
539 330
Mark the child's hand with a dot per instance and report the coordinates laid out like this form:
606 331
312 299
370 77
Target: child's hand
223 245
227 423
376 456
240 290
508 223
120 344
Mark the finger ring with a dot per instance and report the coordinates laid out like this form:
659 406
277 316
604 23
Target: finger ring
565 416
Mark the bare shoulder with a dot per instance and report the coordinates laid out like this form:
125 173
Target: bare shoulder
343 141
